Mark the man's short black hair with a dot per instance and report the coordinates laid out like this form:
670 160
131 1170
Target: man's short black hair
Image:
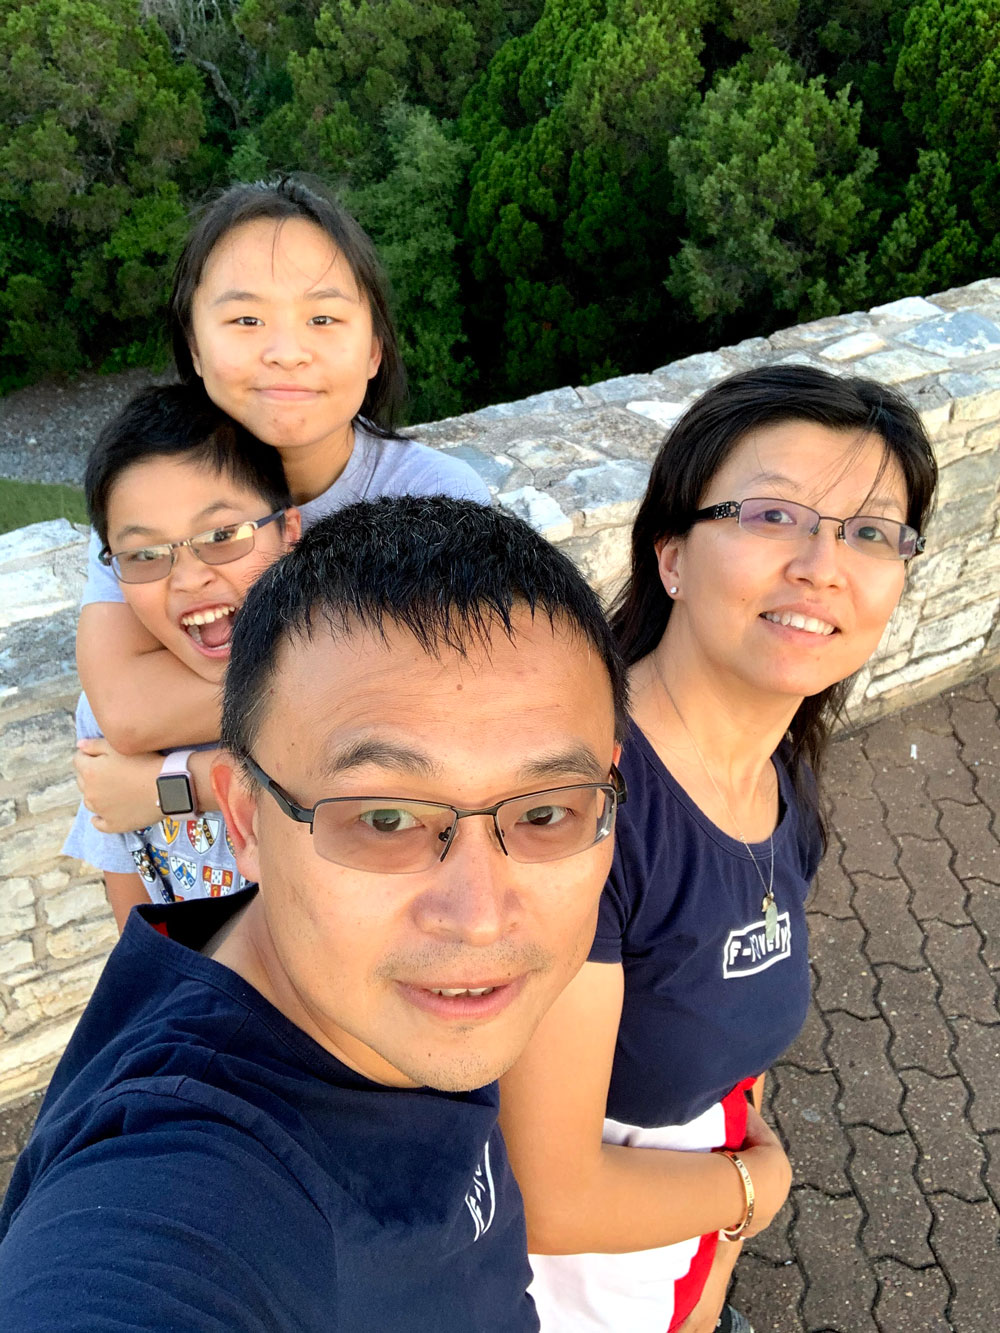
450 571
176 420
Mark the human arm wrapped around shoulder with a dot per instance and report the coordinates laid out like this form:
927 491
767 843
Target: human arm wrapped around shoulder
583 1195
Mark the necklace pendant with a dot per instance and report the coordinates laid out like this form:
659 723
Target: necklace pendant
770 909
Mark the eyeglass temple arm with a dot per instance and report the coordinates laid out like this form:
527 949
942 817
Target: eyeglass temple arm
619 785
291 808
728 509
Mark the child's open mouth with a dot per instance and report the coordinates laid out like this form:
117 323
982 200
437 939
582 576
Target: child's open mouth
210 629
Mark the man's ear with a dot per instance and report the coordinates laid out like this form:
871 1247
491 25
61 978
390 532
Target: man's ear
293 527
238 803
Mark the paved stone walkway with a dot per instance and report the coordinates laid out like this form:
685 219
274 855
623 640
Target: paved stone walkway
890 1099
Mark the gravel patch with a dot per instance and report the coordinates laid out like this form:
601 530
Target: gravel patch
47 429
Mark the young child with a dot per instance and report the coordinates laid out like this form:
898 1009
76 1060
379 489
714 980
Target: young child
190 508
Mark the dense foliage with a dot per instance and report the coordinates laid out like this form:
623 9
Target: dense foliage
561 190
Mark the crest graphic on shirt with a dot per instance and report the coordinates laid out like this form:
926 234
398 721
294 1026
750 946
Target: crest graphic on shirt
160 860
183 872
202 832
747 951
143 864
481 1198
171 827
216 881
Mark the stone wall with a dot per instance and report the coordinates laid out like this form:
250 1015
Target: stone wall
574 462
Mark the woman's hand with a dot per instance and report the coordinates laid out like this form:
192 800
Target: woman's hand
770 1170
119 790
705 1315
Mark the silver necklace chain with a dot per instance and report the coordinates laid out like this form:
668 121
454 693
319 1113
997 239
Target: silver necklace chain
768 905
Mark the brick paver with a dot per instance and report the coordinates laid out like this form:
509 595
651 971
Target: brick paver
889 1101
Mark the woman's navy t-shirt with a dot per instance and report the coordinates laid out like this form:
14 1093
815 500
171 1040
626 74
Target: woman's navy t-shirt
707 1001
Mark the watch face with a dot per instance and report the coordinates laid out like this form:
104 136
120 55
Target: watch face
175 794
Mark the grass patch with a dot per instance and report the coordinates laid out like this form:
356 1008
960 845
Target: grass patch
24 502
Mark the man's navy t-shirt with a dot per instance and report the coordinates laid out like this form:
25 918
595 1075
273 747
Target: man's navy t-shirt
199 1163
708 1002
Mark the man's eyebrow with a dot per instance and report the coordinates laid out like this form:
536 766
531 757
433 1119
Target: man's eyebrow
578 759
381 753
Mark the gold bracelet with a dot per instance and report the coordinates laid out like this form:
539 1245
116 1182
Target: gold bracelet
734 1233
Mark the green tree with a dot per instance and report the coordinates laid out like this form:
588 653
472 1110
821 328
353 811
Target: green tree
949 76
928 247
96 123
771 178
410 214
568 217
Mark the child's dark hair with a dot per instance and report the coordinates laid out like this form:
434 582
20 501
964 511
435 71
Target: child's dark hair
180 420
449 571
277 201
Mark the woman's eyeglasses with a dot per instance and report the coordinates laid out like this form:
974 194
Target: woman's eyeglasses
393 835
146 564
783 520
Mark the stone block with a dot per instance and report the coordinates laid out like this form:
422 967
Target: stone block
976 395
976 1055
550 453
983 439
845 982
27 848
74 904
938 636
622 388
751 352
805 1109
769 1296
898 365
26 1059
56 796
17 907
920 1036
818 330
700 370
554 400
34 592
911 1301
924 670
8 813
908 308
840 1289
977 472
965 1242
871 1089
493 468
82 939
951 1157
954 336
15 954
37 660
935 571
663 412
59 993
33 743
24 545
854 345
539 509
602 557
967 988
897 1219
608 494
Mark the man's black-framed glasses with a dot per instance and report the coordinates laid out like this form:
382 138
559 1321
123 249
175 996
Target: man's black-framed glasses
393 835
218 546
784 520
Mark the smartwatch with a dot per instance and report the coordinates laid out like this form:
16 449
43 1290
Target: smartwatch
174 788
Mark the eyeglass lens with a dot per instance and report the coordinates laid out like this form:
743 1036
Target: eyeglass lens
783 520
217 547
397 837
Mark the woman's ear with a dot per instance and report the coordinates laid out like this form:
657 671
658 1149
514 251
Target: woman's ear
195 358
668 561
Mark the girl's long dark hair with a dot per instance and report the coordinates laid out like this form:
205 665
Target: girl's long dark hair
277 201
689 458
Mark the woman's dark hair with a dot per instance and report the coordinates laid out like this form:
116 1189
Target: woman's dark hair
180 421
277 201
699 444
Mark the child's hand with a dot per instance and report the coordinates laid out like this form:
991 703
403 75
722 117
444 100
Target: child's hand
119 790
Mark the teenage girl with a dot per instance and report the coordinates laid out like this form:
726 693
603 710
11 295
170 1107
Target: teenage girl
279 308
767 557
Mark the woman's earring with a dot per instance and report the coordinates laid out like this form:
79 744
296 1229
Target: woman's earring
673 591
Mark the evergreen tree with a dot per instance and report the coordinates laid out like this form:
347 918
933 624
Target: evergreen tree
771 178
96 127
